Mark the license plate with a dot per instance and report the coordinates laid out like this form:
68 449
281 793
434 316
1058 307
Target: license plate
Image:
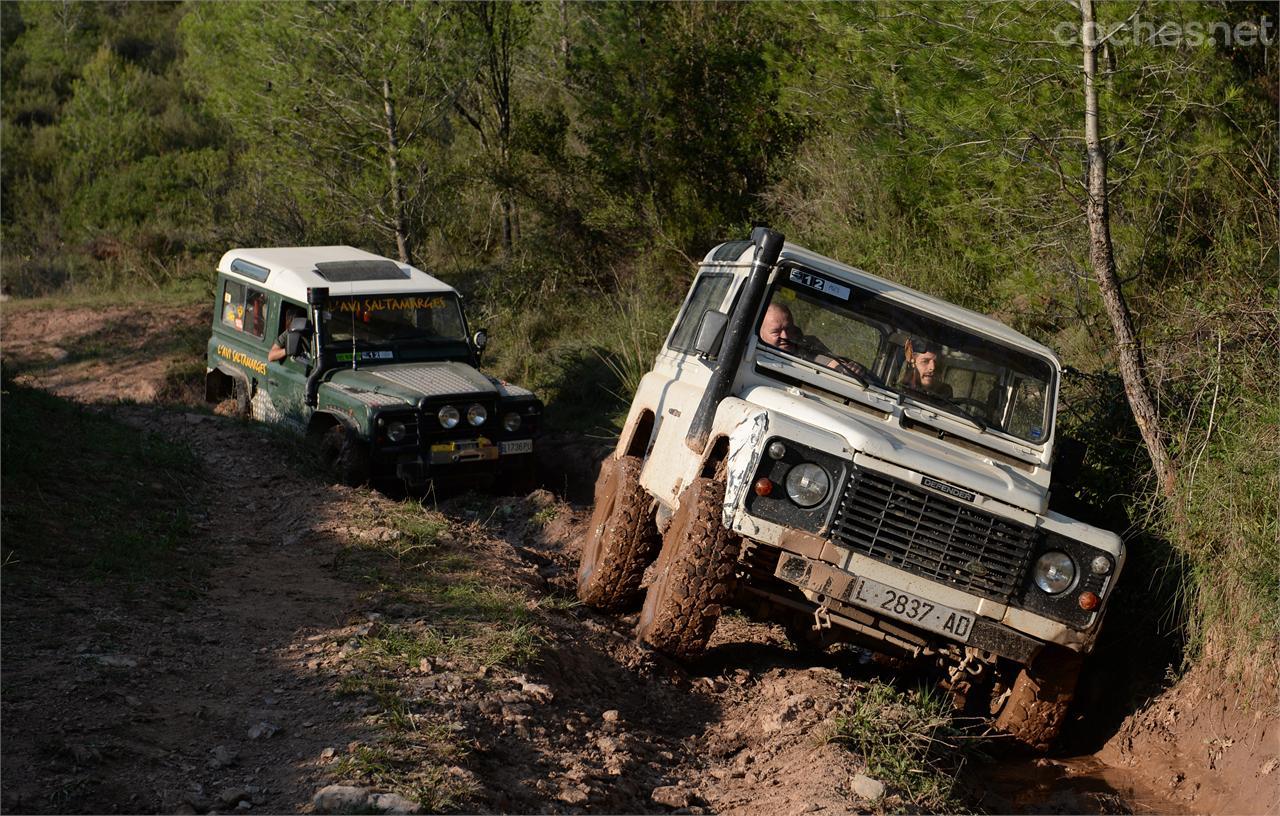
516 446
904 606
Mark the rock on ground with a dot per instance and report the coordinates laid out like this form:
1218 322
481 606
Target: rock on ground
868 788
339 799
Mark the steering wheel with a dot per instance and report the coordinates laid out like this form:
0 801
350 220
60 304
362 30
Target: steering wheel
856 370
979 406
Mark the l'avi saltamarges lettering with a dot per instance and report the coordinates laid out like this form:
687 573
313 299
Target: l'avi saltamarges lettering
242 359
385 304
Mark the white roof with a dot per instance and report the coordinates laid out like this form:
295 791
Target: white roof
904 295
293 270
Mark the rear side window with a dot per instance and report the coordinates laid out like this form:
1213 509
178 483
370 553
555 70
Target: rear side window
244 308
708 293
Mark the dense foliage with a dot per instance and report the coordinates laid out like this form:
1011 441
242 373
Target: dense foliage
565 163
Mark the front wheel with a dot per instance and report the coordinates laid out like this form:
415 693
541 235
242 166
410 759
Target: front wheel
694 575
345 456
1035 708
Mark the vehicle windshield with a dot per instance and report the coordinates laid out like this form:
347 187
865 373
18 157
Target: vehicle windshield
873 341
400 319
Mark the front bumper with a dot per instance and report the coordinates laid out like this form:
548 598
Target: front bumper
845 594
462 457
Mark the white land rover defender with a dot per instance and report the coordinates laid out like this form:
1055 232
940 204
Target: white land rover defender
861 462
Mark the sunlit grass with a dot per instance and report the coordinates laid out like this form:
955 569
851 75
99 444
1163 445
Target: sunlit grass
910 742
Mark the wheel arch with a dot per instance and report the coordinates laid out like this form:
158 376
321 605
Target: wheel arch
322 420
715 459
637 436
219 382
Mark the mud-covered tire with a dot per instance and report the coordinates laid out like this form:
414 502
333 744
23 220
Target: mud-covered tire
345 456
694 575
1036 708
621 540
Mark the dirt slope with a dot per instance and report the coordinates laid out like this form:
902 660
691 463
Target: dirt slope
237 699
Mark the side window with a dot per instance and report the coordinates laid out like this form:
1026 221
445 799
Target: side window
1027 417
708 293
244 308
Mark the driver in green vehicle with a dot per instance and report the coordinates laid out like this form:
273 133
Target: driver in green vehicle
778 329
278 348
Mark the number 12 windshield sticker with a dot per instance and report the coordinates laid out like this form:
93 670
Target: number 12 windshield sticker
821 284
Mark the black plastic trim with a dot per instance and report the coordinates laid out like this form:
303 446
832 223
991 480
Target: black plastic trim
777 506
1065 607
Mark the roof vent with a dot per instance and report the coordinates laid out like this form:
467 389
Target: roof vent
351 271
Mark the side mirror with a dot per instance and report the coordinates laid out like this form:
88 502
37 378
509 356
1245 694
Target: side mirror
299 331
480 339
710 332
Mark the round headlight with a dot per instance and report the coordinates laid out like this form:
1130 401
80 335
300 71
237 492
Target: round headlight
807 484
511 421
1055 572
395 431
448 416
476 414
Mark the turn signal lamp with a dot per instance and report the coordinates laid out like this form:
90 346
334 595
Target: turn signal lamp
763 486
1089 601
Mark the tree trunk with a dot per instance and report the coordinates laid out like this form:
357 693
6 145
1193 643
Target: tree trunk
564 37
1102 257
403 245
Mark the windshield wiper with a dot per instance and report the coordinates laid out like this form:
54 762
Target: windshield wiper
944 402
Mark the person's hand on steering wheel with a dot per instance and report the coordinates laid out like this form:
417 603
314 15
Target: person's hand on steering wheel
854 369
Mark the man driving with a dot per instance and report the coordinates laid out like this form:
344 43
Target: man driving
779 329
279 348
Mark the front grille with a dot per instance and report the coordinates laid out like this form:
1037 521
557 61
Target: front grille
929 535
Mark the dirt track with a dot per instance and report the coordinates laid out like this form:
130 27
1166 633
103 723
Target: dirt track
138 704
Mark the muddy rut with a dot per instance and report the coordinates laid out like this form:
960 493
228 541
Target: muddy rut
230 701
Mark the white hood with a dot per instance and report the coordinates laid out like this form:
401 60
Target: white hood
886 440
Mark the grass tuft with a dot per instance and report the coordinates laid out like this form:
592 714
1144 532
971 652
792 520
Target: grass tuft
909 741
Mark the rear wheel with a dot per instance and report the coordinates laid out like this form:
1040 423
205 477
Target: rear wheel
1035 708
345 456
694 575
621 540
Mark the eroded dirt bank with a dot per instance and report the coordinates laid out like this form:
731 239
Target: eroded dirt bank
288 671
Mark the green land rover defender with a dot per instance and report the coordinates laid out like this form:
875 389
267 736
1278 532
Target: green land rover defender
369 358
